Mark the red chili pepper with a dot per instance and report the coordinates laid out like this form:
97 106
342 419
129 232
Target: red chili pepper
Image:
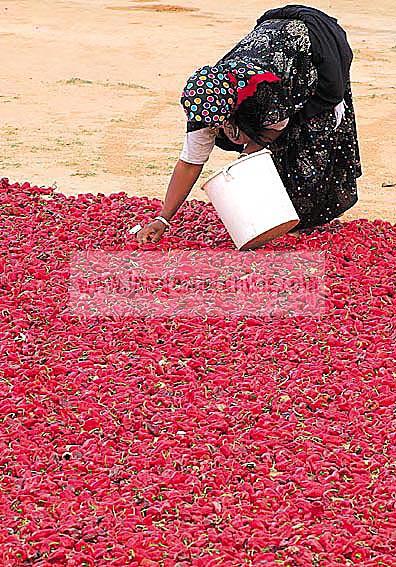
132 436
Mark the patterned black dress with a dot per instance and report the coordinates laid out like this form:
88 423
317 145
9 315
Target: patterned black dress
318 163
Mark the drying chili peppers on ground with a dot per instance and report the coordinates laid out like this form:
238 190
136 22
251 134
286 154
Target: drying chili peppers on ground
192 440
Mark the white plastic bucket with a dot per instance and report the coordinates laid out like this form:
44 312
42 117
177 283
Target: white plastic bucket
251 200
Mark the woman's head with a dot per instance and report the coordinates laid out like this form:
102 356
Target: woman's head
213 94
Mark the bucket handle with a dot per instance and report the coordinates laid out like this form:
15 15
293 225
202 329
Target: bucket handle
242 157
226 172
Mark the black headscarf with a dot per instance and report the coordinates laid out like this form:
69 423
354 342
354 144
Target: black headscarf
331 54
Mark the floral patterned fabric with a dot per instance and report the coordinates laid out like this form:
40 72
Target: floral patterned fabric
282 47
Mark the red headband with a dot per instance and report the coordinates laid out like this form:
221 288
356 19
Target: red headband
251 87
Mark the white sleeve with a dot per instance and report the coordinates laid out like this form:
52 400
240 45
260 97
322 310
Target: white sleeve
198 146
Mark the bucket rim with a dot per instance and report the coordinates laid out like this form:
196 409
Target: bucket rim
227 167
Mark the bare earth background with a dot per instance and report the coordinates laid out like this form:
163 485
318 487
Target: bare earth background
89 89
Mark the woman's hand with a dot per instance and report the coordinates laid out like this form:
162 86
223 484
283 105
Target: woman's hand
268 135
152 232
251 148
182 181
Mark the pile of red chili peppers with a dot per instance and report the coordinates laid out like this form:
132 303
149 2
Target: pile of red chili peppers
207 441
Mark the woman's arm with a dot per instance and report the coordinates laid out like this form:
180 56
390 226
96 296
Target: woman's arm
182 181
184 177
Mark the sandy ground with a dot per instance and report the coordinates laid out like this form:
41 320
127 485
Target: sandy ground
89 89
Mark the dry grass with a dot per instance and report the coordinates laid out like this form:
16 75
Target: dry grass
154 8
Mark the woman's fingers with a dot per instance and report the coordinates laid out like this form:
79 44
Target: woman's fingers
151 233
143 235
156 236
